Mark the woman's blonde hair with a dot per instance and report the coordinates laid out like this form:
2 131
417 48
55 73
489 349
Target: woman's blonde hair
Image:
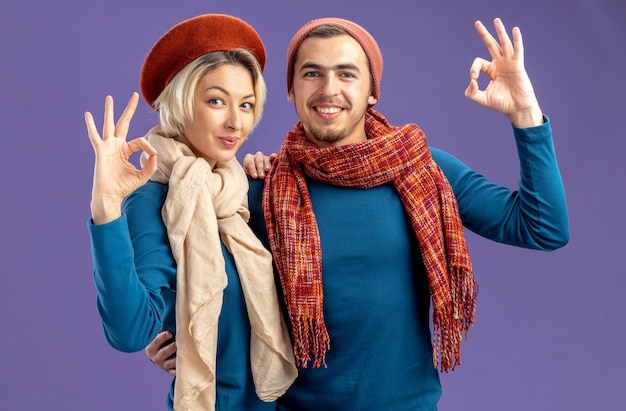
175 103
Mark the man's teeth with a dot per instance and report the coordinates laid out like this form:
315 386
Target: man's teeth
328 110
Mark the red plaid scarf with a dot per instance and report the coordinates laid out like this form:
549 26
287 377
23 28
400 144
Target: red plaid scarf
397 154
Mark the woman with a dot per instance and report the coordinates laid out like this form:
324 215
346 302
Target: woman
179 244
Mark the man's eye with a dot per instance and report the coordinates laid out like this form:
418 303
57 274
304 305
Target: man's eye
311 74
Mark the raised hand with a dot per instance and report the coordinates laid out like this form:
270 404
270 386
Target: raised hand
114 175
510 90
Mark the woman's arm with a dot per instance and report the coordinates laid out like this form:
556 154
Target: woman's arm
134 271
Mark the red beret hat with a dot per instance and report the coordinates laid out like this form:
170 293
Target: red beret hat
365 39
191 39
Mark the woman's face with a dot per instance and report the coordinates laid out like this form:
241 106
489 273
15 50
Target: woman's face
223 113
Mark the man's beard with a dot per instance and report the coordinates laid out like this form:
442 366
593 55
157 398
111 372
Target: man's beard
331 134
323 134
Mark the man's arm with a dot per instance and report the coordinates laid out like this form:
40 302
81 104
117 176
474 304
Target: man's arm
532 216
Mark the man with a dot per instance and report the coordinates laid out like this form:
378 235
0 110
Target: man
364 226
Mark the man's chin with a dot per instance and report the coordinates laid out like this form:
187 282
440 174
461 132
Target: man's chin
327 138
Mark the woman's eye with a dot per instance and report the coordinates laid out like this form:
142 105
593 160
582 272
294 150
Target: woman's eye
216 101
248 106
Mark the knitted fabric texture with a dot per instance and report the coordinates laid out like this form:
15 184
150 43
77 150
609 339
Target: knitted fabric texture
202 206
391 154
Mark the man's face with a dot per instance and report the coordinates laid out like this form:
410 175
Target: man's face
332 90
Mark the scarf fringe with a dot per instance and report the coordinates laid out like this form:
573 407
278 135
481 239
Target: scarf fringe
311 340
454 319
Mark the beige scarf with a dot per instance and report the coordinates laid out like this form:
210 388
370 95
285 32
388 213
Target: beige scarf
202 206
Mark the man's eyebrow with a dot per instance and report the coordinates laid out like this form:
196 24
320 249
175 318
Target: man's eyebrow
315 66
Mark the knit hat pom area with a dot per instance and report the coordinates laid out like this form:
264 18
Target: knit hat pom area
191 39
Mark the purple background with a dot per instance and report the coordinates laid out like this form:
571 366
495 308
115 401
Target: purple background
550 326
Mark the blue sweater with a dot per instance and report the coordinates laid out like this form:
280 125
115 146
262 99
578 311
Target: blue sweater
135 277
376 294
376 299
